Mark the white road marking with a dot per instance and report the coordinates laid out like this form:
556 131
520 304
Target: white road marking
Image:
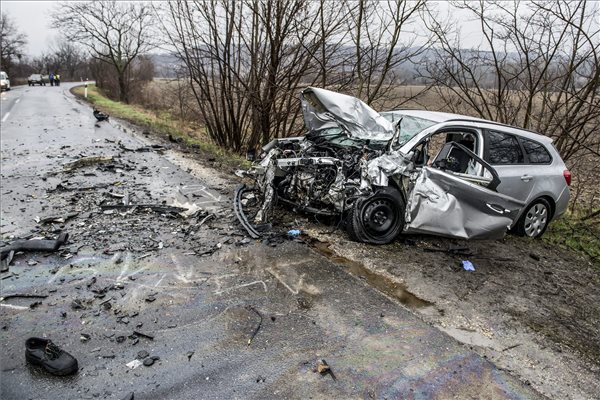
14 307
5 116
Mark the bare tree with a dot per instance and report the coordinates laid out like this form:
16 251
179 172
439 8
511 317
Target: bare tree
115 33
11 42
378 31
246 61
538 68
69 58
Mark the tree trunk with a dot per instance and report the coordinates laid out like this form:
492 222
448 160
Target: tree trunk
123 95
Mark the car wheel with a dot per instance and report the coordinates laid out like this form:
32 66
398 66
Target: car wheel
535 219
377 219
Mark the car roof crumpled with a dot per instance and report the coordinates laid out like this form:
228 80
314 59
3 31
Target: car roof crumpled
325 109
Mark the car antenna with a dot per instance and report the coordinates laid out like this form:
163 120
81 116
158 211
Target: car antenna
395 136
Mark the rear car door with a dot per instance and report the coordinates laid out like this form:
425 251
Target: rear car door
454 204
503 151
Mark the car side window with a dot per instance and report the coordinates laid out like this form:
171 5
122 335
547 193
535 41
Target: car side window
503 149
536 152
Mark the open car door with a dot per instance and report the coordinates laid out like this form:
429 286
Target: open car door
456 197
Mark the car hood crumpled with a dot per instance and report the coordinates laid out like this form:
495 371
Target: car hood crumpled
325 109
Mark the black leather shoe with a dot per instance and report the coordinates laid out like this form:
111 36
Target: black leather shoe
43 352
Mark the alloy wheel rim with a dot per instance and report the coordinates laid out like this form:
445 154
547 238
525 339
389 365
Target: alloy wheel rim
536 220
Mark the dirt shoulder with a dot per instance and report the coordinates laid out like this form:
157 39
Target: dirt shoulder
530 308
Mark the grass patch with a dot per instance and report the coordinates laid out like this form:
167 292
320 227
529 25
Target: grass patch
162 123
582 236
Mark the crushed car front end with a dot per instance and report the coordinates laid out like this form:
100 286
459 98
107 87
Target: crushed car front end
349 166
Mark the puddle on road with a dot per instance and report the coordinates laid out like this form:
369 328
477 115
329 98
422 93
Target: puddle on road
382 283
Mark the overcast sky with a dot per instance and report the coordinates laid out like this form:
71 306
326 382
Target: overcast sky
33 19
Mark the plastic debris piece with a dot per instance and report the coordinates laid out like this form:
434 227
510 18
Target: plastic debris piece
142 354
148 361
468 265
294 232
134 364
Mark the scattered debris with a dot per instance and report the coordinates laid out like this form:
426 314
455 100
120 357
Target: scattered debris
175 139
160 208
534 256
189 355
84 337
77 304
142 354
35 304
148 361
86 162
22 296
153 147
294 232
468 265
6 260
257 327
100 116
133 364
512 347
452 249
323 368
239 212
56 219
145 335
129 396
34 245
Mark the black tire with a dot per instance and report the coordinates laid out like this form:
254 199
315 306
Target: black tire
534 221
377 219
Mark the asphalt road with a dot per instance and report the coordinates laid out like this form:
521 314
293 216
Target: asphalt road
229 317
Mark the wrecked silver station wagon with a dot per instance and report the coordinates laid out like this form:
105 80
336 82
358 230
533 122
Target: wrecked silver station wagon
395 172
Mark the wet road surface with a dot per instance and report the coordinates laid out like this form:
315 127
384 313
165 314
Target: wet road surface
228 317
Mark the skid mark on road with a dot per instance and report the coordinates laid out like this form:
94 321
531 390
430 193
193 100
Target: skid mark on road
242 286
287 274
202 189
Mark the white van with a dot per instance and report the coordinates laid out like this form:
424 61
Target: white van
4 81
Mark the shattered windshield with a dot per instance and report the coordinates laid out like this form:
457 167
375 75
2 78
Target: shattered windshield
410 125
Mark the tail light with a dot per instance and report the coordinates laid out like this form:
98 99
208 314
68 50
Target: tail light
567 175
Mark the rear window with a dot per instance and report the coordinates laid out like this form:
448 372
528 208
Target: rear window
504 149
536 152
